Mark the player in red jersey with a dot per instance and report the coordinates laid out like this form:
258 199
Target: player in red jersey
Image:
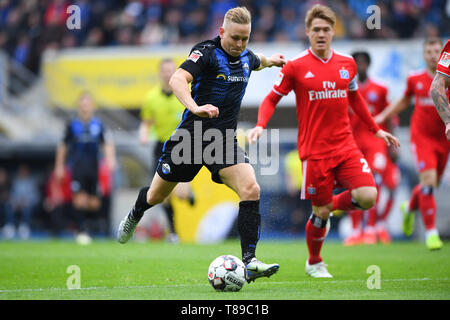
324 83
440 84
428 143
376 154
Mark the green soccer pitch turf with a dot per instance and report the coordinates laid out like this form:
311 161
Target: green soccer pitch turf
162 271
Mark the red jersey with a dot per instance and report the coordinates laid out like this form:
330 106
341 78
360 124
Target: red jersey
425 120
375 95
322 89
443 65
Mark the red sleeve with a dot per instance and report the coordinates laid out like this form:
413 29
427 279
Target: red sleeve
359 106
284 83
267 108
443 65
409 91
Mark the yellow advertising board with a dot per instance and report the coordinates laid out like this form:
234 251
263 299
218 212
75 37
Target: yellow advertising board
118 80
210 198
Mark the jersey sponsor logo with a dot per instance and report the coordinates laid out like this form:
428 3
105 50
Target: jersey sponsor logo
344 74
426 102
445 59
221 75
237 79
195 55
327 94
279 78
309 75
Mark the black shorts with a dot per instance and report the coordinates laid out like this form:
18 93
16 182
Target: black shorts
157 152
171 169
85 181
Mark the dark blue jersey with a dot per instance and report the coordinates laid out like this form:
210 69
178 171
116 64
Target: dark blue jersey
220 80
84 141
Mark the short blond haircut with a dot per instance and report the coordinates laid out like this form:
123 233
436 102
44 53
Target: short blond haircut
239 15
322 12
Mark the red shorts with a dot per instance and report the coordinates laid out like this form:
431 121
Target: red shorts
430 154
375 153
391 175
350 170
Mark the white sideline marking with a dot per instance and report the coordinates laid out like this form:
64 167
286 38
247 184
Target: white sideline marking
205 284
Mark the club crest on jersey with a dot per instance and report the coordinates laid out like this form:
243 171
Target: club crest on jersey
246 66
344 74
445 59
165 168
311 190
195 55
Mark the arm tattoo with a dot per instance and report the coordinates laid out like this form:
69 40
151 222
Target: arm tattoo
439 96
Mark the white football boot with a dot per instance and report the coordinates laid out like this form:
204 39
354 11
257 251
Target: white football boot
257 269
126 229
317 270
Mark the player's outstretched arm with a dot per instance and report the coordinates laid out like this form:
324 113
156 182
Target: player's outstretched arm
179 82
440 99
276 60
393 109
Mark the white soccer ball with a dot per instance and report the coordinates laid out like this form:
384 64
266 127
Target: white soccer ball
227 273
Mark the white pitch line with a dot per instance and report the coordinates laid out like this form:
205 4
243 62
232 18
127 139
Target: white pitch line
205 284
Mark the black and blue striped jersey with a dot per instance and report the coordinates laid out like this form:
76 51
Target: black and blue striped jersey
219 79
83 141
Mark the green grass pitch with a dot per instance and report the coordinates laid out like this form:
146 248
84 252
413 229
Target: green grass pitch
161 271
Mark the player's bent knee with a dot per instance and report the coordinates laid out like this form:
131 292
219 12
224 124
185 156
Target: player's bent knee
322 212
250 192
367 198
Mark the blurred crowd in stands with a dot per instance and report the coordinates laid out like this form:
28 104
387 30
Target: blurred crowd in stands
28 27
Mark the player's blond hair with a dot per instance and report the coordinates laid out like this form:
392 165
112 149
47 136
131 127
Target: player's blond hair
239 15
322 12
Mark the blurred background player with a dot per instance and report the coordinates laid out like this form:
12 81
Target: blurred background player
324 82
440 87
429 144
377 155
84 137
22 203
160 115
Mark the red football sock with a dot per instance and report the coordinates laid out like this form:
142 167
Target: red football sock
314 239
414 201
427 206
387 208
343 201
372 216
356 216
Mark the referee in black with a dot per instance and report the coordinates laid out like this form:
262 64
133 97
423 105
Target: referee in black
218 71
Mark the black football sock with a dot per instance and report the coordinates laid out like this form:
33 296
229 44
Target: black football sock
169 213
249 225
141 205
